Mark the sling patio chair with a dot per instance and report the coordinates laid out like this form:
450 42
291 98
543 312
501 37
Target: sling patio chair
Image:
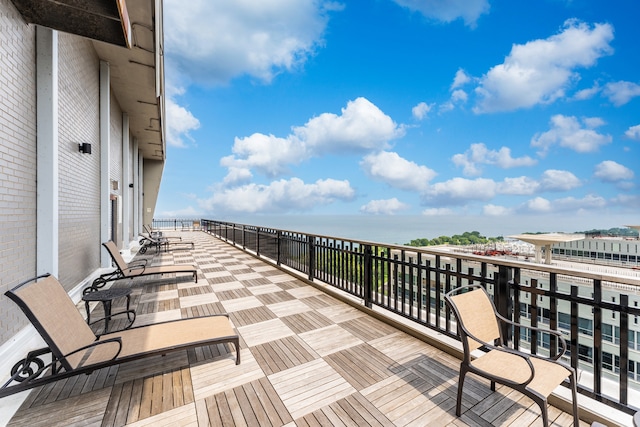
148 240
75 349
136 269
479 325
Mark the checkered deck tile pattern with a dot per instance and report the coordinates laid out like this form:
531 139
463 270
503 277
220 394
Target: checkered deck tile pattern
307 359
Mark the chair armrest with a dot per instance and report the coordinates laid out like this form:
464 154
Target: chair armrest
138 263
131 317
558 334
94 344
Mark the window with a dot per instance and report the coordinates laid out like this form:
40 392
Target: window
585 326
564 321
585 353
607 360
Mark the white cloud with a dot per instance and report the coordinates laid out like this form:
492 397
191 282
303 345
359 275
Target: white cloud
478 154
214 41
558 180
633 132
397 171
458 191
495 210
538 204
438 212
360 128
567 204
459 96
461 79
188 212
522 185
631 201
540 71
421 110
449 10
610 171
384 207
267 154
588 93
619 93
278 196
567 132
237 176
180 122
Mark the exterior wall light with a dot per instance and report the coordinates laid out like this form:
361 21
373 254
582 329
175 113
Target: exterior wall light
85 148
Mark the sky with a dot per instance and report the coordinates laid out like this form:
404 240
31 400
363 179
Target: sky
441 109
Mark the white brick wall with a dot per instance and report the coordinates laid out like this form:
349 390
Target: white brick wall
79 190
17 161
79 174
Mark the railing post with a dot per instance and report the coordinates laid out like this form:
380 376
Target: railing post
278 243
244 237
258 241
502 298
312 256
368 274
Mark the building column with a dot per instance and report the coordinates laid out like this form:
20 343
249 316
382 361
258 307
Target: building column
127 191
105 140
47 210
136 188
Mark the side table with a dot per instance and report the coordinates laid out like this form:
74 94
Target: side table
106 297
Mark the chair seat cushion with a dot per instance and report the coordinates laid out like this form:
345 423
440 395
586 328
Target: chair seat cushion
549 374
167 336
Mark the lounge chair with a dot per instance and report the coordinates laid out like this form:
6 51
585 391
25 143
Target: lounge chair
147 240
76 350
479 325
135 269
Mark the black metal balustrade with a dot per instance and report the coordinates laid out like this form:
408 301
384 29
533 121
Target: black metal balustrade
411 282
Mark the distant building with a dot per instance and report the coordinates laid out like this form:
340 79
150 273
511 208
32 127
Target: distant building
601 249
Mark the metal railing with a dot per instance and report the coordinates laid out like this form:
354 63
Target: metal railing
598 313
175 224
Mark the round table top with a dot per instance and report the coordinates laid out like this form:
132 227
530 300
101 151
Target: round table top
106 294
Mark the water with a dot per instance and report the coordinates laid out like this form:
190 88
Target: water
401 229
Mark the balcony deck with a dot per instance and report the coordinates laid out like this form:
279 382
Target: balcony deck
308 359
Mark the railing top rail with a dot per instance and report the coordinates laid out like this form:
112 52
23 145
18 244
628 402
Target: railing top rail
524 265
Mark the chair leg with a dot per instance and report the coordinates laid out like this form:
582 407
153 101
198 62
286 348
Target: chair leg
574 396
542 403
463 373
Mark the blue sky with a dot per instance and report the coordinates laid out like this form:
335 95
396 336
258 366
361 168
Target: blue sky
439 108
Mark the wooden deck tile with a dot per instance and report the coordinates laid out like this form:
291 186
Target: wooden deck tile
306 321
251 316
259 333
275 297
362 365
329 339
306 356
309 387
282 354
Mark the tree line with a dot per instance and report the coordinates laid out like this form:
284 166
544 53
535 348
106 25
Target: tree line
466 238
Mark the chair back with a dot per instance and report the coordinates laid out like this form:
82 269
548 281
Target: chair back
54 315
476 315
115 256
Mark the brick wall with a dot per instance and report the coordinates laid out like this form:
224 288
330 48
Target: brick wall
17 162
79 189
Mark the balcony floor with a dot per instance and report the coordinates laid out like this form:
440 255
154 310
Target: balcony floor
308 359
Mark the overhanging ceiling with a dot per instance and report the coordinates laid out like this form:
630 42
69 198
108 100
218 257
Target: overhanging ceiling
129 36
105 20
